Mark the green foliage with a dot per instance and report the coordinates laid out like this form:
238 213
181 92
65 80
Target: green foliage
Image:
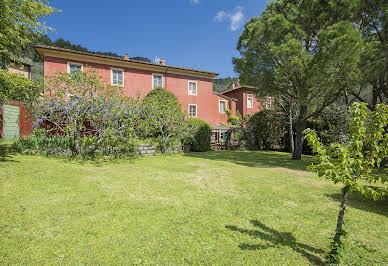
354 163
19 21
200 135
162 116
80 106
306 50
234 120
16 87
64 146
265 129
372 18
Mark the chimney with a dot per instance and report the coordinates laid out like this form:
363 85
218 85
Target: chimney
126 57
232 85
162 62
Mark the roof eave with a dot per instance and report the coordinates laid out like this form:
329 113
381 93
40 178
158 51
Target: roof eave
44 50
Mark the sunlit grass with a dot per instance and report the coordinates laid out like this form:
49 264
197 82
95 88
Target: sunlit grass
202 208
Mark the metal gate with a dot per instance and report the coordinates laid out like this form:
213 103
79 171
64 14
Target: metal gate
10 122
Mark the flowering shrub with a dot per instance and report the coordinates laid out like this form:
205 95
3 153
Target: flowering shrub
78 106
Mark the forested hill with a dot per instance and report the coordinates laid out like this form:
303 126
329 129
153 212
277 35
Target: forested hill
222 84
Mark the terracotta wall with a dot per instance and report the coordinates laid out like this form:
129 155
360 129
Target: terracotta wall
138 82
242 95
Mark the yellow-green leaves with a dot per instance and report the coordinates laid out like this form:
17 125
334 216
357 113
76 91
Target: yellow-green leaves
356 163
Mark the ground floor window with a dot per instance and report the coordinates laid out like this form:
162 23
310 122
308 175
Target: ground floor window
192 110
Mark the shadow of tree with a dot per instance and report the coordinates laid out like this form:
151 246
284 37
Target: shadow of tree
356 200
6 152
275 239
260 159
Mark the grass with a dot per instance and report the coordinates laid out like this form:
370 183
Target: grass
235 207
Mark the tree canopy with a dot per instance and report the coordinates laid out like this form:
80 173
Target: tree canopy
19 21
306 50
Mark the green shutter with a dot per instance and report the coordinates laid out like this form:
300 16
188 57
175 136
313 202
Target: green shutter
10 122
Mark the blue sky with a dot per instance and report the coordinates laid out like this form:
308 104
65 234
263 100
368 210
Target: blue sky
199 34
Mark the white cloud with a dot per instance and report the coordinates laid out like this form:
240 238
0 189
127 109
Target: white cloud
220 16
235 18
194 1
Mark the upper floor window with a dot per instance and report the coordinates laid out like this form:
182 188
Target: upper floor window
157 80
249 102
193 110
222 106
268 103
71 67
192 88
117 77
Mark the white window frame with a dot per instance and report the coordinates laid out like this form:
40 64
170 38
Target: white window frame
250 97
270 103
188 110
72 63
111 76
219 106
188 87
157 74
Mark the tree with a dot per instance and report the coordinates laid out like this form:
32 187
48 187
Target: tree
306 50
19 20
372 19
16 87
162 116
79 105
286 105
265 129
355 163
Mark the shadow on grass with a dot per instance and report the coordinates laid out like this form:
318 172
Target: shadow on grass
260 159
356 200
275 239
6 152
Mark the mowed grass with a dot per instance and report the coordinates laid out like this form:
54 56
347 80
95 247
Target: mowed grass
234 207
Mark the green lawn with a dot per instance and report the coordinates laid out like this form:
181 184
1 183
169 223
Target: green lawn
202 208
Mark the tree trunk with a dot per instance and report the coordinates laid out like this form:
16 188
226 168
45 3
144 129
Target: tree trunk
300 126
333 255
291 131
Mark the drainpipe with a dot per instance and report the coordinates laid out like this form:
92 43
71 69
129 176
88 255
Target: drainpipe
166 77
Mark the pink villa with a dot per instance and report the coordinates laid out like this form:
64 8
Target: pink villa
193 88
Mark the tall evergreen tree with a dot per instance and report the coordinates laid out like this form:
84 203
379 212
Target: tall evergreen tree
308 50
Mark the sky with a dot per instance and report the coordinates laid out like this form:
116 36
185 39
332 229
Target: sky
200 34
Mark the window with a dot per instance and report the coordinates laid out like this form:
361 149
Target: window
250 102
71 67
268 103
192 110
117 77
157 80
192 88
222 106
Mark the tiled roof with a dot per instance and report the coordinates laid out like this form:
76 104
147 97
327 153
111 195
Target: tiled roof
39 47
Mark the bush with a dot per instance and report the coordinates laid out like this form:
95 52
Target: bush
162 116
200 135
64 146
265 130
